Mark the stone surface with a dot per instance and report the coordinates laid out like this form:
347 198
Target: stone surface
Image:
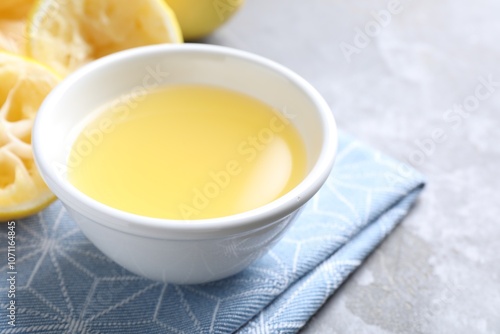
414 89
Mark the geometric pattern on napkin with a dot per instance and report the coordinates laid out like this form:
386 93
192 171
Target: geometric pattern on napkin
65 285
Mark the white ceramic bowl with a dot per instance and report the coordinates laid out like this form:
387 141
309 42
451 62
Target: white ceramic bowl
173 251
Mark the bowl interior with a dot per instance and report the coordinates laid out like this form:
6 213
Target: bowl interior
65 110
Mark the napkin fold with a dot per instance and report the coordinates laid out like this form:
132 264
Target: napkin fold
63 284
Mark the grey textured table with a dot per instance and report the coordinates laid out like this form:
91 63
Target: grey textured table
423 85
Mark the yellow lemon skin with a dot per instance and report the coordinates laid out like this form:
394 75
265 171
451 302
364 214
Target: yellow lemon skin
15 9
199 18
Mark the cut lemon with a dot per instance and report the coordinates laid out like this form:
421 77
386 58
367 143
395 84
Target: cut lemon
23 86
69 35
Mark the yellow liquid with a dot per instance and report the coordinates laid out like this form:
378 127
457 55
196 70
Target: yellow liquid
187 152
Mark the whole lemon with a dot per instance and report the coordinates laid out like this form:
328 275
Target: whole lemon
199 18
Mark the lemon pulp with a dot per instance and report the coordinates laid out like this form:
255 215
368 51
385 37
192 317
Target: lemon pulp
67 36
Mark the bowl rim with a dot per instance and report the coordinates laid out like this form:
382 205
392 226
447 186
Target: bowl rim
186 229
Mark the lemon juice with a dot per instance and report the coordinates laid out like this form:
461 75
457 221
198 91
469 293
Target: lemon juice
187 152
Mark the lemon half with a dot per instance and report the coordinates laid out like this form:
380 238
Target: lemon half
23 86
68 34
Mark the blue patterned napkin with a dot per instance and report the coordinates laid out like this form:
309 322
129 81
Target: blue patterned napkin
64 284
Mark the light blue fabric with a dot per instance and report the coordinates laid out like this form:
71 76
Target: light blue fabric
65 285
